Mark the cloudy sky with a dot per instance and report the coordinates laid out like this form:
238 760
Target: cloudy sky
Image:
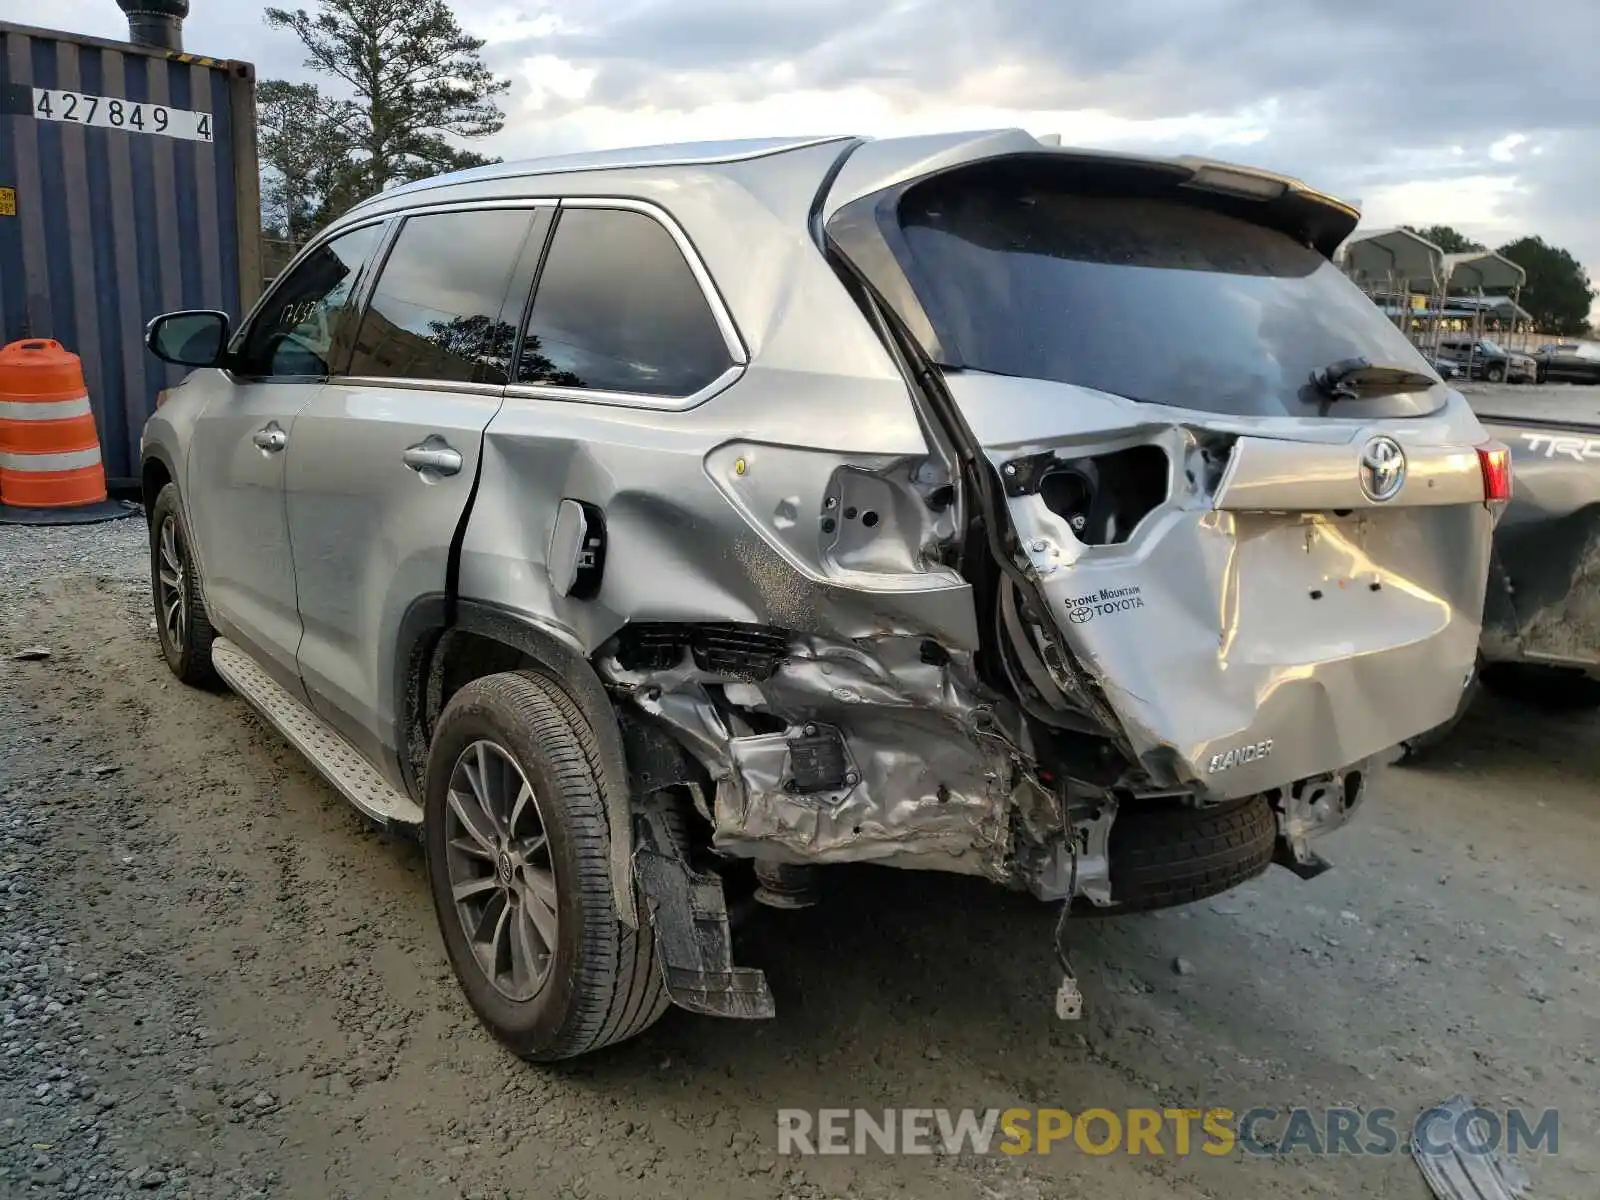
1483 114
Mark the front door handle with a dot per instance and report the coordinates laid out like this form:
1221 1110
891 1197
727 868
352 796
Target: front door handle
271 439
433 456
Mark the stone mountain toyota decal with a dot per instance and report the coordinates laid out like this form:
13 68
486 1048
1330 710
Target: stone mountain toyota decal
1383 468
1104 603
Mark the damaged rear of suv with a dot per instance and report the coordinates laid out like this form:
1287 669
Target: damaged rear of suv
1059 518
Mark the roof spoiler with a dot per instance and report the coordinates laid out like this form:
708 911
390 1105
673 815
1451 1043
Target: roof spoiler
892 165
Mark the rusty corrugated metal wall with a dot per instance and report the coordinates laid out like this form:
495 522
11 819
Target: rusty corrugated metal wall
136 191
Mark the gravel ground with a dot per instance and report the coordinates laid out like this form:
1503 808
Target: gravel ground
217 981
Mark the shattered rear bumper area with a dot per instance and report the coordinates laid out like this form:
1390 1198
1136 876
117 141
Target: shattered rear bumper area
881 752
891 752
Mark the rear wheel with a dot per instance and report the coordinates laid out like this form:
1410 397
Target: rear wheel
519 866
179 594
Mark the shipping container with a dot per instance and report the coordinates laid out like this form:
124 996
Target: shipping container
129 187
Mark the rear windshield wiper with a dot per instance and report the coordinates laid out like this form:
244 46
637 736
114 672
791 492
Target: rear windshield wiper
1351 378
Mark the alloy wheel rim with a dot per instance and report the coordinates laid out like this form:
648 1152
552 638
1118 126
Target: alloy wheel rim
172 584
501 874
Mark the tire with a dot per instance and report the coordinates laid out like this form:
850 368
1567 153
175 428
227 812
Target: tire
1162 857
1496 373
179 595
1555 689
601 983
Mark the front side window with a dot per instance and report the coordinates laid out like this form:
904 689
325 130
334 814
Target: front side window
299 332
619 310
435 310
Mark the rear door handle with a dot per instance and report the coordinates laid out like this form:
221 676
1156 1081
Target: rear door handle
270 439
433 455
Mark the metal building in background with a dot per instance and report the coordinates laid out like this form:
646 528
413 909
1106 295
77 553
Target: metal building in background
129 187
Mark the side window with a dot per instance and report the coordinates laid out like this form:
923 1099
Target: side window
308 314
435 312
618 310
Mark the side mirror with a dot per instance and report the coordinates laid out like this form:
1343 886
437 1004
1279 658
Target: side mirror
189 339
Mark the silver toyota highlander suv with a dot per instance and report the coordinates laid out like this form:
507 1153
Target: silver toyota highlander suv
645 525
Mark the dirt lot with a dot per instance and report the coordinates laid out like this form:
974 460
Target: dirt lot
215 980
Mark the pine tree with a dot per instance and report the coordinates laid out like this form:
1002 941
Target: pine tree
305 159
416 78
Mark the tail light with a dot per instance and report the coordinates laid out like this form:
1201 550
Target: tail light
1495 460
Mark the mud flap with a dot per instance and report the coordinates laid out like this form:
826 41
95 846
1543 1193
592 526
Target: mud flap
689 915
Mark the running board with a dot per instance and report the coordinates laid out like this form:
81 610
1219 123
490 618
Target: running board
357 780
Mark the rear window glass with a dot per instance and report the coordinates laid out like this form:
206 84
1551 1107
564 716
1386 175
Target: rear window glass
1155 299
619 310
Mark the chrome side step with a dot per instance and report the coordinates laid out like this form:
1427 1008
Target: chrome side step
357 780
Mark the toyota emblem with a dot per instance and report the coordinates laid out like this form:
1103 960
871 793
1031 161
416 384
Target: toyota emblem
1383 468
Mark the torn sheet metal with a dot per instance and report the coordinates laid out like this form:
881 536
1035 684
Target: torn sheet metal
928 773
1279 639
1079 865
1454 1154
925 793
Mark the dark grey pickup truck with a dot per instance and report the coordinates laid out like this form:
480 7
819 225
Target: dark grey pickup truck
1541 621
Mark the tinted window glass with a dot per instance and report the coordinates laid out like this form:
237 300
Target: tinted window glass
435 312
618 310
1155 299
305 323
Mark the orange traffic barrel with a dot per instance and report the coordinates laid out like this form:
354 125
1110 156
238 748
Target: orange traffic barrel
50 468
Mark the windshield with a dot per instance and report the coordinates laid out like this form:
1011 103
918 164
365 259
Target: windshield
1489 347
1155 299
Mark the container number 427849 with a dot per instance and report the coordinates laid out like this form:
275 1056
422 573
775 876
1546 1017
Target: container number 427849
108 112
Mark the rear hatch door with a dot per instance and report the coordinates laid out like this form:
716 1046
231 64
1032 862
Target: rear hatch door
1266 580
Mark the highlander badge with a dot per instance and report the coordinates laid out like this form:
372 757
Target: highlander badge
1239 756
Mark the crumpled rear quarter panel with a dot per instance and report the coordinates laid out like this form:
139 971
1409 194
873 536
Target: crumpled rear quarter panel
720 514
817 379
